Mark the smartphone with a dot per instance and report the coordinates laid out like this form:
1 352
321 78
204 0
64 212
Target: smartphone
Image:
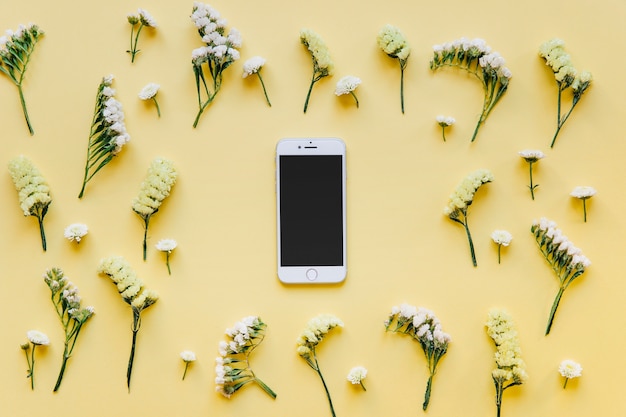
311 210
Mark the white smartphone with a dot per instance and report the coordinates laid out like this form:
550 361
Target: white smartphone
311 210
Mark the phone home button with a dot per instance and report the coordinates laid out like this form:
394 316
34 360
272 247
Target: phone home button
311 274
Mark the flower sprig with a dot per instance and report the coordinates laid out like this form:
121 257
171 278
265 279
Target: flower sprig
133 293
583 192
15 52
570 369
443 122
347 85
424 327
143 19
36 338
253 66
154 189
33 191
149 92
167 246
233 365
218 54
566 77
357 375
392 42
475 57
501 238
75 232
567 261
66 301
531 156
108 132
462 198
316 329
510 367
188 357
323 65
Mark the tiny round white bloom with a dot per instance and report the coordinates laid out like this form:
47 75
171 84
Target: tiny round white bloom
347 84
570 369
37 338
531 155
166 245
253 65
75 231
445 121
357 374
502 237
188 356
583 192
149 91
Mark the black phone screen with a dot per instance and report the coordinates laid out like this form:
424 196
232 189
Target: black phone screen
311 210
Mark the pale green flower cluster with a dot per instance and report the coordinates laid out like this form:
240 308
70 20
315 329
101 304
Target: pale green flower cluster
33 190
322 62
510 368
129 285
393 43
463 194
314 333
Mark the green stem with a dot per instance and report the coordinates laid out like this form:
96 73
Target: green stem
565 383
499 248
427 394
66 356
145 236
167 262
23 101
402 66
131 359
532 188
471 243
42 232
330 401
186 366
32 368
443 133
585 210
362 385
267 389
134 50
264 90
308 94
555 305
355 99
156 103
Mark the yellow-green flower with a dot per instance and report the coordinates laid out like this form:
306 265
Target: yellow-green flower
33 191
323 65
394 44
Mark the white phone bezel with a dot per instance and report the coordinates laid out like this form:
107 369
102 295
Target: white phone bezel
302 274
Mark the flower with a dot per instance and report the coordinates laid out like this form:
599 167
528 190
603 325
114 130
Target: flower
32 189
501 238
566 76
357 375
323 65
187 356
316 329
167 246
392 42
149 92
347 85
424 327
66 301
569 370
583 193
75 232
476 57
154 189
133 293
143 18
531 156
510 367
108 132
15 51
253 66
566 260
37 338
220 52
444 122
233 369
463 197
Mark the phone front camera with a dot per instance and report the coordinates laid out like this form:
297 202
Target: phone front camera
299 147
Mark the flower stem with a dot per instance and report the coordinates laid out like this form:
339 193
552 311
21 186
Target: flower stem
23 101
499 248
167 262
427 394
267 389
308 95
32 367
186 367
471 243
42 232
443 133
156 103
585 210
355 99
362 385
330 402
565 383
131 359
264 90
532 188
62 372
402 66
145 236
555 305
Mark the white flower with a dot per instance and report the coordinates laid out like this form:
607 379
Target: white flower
501 237
37 338
346 85
570 369
166 245
357 374
444 121
253 65
146 19
75 232
149 91
531 155
188 356
583 192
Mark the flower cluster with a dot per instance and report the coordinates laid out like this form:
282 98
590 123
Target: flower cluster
66 300
347 85
133 293
108 132
253 66
188 357
567 261
357 375
220 52
392 42
583 193
15 51
510 367
445 121
531 156
233 369
566 77
154 189
167 246
316 329
36 338
462 198
323 65
32 189
501 238
143 18
477 58
569 370
75 232
149 92
424 327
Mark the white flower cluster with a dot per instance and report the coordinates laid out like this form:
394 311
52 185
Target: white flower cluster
253 65
314 333
149 91
463 194
187 356
583 192
509 364
75 232
146 19
166 245
570 369
531 155
37 338
241 334
113 116
465 49
502 237
558 250
445 121
220 49
357 375
423 325
21 34
347 84
564 72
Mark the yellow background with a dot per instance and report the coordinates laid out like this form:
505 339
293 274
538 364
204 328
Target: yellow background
401 248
